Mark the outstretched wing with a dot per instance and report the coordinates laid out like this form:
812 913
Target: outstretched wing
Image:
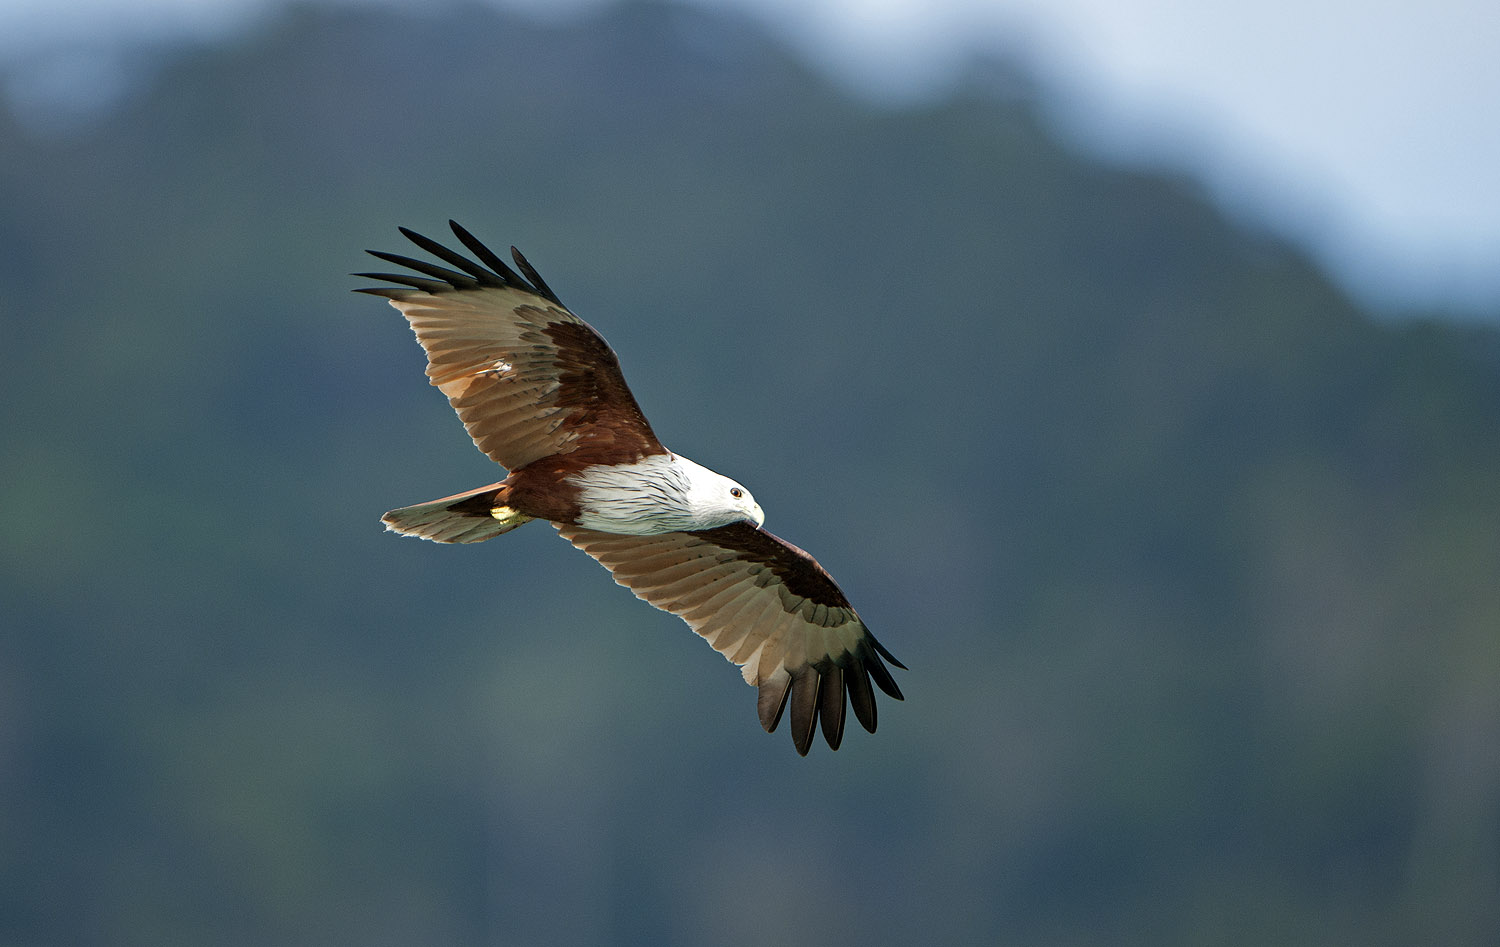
765 605
527 377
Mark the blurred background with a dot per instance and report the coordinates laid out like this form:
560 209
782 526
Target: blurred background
1163 451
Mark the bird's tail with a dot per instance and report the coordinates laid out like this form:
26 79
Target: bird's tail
462 518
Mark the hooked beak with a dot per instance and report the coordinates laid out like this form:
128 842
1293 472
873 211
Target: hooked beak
758 516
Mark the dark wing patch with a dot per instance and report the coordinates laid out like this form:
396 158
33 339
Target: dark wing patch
527 377
765 605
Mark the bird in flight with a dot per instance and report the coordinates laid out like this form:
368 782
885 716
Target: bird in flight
542 394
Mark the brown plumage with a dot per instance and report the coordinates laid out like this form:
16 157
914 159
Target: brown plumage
542 394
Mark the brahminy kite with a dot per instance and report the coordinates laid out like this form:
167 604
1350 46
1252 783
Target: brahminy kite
541 393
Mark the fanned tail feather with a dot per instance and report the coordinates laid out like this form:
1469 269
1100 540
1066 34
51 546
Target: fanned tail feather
462 518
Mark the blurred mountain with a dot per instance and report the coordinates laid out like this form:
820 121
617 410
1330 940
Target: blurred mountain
1193 562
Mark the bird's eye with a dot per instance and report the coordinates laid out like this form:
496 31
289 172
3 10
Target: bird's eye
736 492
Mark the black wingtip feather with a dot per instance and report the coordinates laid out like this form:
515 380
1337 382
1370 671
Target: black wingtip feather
884 653
486 256
453 258
880 675
831 705
415 282
772 701
384 292
804 707
453 278
861 696
531 274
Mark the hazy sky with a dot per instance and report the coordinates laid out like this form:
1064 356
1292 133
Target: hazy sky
1370 129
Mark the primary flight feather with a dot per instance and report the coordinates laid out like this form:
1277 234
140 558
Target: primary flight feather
541 393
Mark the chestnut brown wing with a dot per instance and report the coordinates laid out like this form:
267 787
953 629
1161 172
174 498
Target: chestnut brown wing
527 377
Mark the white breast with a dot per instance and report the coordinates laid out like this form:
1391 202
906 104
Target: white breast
640 499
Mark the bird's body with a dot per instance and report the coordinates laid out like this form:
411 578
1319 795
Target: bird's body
661 493
542 394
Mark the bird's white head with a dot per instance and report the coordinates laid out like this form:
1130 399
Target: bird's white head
715 500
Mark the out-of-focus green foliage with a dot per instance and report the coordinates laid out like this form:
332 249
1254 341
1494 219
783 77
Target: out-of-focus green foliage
1193 563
